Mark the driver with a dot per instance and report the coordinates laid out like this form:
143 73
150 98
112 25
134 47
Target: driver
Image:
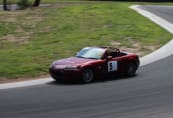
111 52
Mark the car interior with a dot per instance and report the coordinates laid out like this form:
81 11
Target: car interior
114 52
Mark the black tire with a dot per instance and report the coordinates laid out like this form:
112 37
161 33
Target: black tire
131 69
87 75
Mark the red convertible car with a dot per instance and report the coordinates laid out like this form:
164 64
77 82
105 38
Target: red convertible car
95 62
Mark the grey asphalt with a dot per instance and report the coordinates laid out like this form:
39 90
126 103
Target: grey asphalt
14 7
11 7
147 95
165 12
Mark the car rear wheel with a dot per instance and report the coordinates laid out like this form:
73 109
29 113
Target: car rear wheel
87 75
131 69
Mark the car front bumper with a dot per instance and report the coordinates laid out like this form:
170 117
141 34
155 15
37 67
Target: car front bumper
63 74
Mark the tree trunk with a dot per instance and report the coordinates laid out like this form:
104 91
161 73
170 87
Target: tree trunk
5 5
36 3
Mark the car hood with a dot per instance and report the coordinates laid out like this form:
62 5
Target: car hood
72 61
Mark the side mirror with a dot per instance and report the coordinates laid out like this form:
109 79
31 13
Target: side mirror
108 58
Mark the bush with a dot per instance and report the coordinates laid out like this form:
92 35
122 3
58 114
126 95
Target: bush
23 4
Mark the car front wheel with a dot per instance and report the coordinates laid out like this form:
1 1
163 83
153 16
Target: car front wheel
87 75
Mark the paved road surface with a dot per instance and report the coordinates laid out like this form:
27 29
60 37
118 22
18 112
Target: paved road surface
148 95
11 7
165 12
14 7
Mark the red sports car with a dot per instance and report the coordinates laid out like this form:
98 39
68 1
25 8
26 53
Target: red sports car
95 62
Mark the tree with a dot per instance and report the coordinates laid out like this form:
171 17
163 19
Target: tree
5 5
36 3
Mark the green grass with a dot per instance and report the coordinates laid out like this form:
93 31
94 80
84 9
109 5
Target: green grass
43 35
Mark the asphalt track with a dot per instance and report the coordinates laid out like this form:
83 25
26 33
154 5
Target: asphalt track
147 95
165 12
14 7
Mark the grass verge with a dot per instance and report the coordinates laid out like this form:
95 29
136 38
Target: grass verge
30 40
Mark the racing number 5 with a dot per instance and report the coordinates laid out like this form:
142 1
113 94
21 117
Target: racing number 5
112 66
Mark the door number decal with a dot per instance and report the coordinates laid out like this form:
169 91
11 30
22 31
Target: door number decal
112 66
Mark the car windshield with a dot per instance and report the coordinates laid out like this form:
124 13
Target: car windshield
91 53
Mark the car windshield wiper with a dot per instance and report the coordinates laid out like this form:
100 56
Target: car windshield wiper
91 58
86 57
80 56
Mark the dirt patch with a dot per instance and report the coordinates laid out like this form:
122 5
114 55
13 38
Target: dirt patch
32 20
135 47
12 38
23 23
59 5
10 16
47 29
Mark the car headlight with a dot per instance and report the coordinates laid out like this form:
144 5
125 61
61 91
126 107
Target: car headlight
59 66
71 67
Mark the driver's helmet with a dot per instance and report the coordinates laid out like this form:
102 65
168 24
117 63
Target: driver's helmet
109 51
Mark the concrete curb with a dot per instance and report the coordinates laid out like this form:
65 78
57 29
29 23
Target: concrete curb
26 83
166 50
161 53
156 19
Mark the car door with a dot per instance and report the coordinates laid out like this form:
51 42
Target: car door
112 66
